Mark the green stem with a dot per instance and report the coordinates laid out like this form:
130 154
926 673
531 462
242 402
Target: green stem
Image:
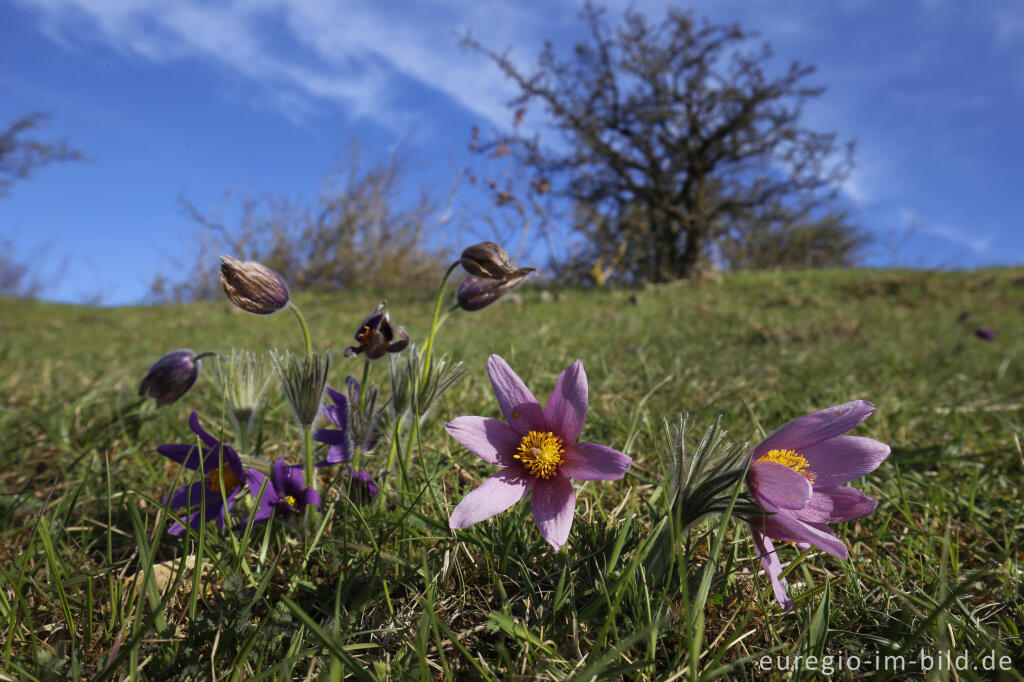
429 349
307 433
305 328
362 384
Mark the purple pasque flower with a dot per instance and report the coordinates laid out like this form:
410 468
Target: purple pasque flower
797 474
340 443
287 492
223 477
376 336
170 377
986 334
536 450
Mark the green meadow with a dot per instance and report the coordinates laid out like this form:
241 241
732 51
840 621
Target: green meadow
93 587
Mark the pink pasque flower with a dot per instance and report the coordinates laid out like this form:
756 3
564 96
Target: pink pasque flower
536 450
797 473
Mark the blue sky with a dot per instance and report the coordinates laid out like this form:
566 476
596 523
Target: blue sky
194 98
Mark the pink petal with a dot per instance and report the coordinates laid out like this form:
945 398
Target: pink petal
772 566
832 505
521 409
814 428
567 406
494 495
776 487
593 462
492 440
784 527
844 458
554 502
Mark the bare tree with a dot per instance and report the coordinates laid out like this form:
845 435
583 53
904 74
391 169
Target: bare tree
362 231
21 155
669 135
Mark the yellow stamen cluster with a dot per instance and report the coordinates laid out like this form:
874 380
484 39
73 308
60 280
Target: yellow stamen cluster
213 480
541 453
291 501
791 459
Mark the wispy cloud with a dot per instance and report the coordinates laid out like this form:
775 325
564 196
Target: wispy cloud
353 54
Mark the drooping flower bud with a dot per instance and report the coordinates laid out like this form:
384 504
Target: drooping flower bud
376 336
985 334
487 260
475 292
252 286
170 377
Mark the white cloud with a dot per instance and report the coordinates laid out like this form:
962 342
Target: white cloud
352 54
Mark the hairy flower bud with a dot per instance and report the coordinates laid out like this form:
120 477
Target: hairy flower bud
486 259
475 292
303 380
252 286
170 377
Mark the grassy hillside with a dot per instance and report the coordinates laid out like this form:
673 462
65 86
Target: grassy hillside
389 590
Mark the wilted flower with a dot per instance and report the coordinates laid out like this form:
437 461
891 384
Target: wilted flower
475 292
223 477
170 377
338 439
287 492
375 336
303 381
537 451
985 334
797 474
362 487
252 286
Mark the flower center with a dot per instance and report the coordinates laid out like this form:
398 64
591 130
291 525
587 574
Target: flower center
291 501
791 459
213 479
541 453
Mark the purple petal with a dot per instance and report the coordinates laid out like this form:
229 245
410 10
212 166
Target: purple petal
491 440
844 458
833 505
814 428
784 527
772 566
187 455
254 480
776 486
567 406
329 436
554 502
494 495
594 462
263 512
336 454
186 495
521 409
309 496
193 423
